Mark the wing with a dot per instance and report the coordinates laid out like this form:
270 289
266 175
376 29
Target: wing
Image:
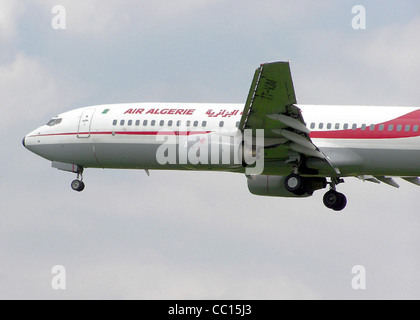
271 105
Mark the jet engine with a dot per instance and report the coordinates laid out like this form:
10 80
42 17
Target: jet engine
275 186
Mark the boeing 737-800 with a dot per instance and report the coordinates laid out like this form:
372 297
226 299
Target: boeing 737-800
284 149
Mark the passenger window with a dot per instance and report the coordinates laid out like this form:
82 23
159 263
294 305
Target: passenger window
381 127
399 127
170 122
221 124
204 124
162 123
354 127
152 123
122 122
312 125
329 126
372 127
321 126
137 123
178 123
337 126
416 128
130 122
407 128
237 124
144 122
391 127
363 127
195 123
114 123
346 126
188 123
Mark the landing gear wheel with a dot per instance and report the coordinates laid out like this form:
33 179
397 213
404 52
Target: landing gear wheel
77 185
335 200
294 183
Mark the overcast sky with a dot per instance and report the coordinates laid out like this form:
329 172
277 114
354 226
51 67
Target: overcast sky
192 235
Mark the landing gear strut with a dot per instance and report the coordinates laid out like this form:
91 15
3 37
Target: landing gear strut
78 184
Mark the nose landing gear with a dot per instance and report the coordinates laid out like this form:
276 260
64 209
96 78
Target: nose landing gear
78 184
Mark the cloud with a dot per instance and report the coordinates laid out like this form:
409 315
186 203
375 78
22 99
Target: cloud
377 66
197 234
397 45
100 18
391 53
174 280
104 18
10 11
192 235
29 91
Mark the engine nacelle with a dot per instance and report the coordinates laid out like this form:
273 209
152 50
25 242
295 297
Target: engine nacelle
273 186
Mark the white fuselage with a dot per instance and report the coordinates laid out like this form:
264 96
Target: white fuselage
358 140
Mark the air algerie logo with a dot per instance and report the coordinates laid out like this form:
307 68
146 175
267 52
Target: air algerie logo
188 112
105 111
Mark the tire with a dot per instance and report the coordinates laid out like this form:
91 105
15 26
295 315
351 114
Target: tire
77 185
82 186
335 200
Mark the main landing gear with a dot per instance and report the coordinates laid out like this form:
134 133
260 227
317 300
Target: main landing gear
78 184
335 200
299 186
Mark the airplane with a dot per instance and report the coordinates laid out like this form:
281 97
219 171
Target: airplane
293 150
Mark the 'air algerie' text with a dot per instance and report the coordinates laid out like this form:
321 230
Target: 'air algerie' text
187 112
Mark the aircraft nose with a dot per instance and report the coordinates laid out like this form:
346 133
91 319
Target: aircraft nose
23 141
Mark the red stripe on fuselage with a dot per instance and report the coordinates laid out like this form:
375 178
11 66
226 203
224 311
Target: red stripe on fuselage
138 133
399 126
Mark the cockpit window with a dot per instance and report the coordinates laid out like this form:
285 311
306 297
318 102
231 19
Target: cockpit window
54 122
